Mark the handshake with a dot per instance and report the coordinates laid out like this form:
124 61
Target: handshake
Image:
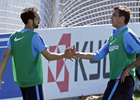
71 52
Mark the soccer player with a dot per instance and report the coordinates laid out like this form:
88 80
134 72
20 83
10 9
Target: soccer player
122 47
25 47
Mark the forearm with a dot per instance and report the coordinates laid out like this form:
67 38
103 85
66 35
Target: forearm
2 68
135 63
55 56
89 56
131 66
4 62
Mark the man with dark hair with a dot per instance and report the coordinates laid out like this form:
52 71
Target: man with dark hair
122 47
25 47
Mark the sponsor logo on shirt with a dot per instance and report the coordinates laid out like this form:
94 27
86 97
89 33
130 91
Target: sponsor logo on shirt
112 42
17 39
112 48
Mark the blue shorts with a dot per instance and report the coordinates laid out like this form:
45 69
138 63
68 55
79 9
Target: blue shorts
123 91
32 93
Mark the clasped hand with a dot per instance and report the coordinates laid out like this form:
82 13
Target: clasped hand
71 52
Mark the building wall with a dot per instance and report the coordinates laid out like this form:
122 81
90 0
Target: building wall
10 13
93 12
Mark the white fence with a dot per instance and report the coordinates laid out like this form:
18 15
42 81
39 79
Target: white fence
64 78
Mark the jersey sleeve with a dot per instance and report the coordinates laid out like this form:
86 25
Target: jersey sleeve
132 43
38 43
9 44
98 55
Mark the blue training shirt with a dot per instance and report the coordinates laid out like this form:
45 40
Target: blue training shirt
37 44
130 39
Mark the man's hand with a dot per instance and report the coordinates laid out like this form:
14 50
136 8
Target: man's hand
124 74
68 54
71 53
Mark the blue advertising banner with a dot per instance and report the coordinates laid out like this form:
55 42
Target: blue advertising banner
9 88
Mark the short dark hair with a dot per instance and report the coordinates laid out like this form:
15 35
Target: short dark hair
124 11
28 13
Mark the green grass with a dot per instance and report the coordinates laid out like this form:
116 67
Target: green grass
137 95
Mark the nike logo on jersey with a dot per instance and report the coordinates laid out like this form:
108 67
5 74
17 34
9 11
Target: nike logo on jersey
112 42
18 39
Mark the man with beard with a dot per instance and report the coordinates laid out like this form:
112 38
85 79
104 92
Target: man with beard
25 47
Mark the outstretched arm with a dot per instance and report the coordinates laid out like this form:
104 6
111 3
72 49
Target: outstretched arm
56 56
82 55
88 56
4 62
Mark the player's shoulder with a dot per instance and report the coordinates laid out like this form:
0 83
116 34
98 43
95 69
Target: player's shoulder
130 32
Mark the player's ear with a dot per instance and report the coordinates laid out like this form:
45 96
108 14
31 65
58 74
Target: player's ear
122 18
30 21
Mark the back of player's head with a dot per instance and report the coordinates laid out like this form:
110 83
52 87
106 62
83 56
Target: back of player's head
28 13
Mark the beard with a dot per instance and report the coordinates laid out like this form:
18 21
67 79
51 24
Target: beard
35 25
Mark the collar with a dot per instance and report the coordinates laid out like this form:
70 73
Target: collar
24 30
116 32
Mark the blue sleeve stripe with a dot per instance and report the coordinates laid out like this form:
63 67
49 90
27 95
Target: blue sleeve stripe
137 41
42 40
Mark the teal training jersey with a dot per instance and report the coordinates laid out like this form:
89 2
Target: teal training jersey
119 58
27 70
